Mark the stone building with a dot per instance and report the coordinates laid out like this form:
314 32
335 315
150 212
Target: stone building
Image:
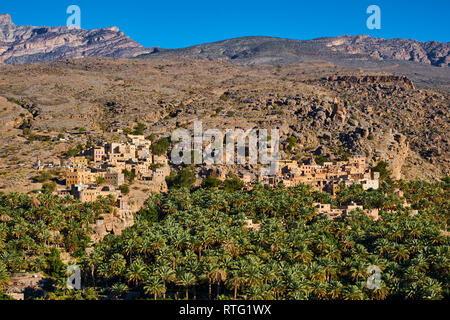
98 154
79 162
114 178
91 193
78 176
334 213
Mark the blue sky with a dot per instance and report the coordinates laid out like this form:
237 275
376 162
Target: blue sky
174 24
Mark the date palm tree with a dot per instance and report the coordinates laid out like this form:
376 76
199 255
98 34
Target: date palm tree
235 281
186 280
335 289
209 268
353 292
136 272
154 285
166 274
218 277
117 264
118 290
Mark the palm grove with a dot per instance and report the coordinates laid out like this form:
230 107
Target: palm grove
193 243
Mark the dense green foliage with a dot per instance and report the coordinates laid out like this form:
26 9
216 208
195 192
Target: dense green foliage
230 185
233 184
195 244
161 146
34 230
124 189
291 143
382 168
185 178
139 129
200 248
211 182
129 175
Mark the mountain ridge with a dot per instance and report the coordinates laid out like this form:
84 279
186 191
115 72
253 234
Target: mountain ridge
30 44
263 49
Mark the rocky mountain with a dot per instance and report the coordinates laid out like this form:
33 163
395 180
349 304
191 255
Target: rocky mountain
430 52
28 44
257 50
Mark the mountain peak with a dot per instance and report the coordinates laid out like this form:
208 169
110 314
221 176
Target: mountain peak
54 43
5 19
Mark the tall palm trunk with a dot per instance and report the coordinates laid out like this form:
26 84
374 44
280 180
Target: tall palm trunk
209 288
93 274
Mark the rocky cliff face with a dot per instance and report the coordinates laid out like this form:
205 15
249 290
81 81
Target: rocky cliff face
11 115
28 44
431 52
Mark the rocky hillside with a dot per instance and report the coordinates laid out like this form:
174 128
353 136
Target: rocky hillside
332 111
28 44
251 50
431 52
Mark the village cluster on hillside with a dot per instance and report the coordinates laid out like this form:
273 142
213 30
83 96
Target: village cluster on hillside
106 171
328 176
103 170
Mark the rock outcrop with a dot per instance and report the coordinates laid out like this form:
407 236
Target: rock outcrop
430 52
113 223
393 149
373 79
11 115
